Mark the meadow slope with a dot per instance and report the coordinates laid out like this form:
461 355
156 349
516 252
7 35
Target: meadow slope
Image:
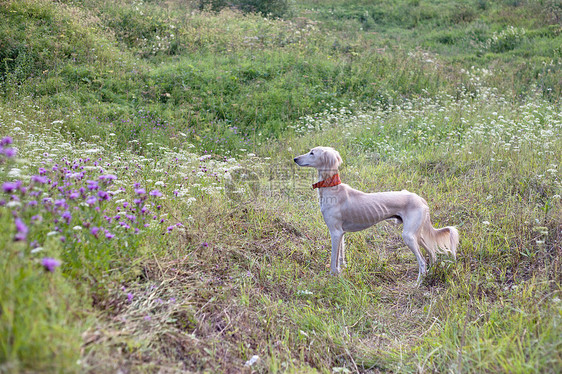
153 220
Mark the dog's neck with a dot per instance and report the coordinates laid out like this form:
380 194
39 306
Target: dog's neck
326 174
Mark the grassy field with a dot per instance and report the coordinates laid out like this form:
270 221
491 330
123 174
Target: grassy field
153 220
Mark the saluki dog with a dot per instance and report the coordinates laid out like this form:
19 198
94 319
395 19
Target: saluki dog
348 210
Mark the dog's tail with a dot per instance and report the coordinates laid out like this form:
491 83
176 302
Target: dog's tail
435 241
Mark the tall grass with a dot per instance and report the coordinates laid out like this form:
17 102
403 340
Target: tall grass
150 156
210 72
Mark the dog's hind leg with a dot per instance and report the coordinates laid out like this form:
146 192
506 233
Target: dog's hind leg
412 226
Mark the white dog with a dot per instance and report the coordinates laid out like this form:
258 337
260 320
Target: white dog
347 210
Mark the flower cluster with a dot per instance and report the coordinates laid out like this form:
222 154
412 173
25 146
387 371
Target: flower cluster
74 199
458 122
6 151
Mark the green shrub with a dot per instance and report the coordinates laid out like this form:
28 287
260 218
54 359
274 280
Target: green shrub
505 40
275 8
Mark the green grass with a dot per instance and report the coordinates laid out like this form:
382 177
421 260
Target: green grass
38 332
456 101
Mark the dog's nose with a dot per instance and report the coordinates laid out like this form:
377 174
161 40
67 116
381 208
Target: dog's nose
295 159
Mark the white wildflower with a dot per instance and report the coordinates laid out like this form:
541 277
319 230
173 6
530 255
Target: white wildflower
14 173
252 360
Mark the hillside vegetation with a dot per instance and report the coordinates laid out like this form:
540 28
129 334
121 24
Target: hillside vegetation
153 220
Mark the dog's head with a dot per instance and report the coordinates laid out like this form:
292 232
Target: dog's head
320 158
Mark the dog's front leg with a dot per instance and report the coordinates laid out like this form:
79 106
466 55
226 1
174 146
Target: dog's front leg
341 253
337 237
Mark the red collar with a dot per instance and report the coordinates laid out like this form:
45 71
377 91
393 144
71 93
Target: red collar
330 182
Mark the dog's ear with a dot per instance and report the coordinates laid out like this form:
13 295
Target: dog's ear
331 159
338 159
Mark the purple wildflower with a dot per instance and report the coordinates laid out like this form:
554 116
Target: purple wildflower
129 297
155 193
140 191
104 195
50 264
21 230
92 185
107 177
9 187
91 200
109 235
39 179
9 152
67 216
94 230
205 244
6 140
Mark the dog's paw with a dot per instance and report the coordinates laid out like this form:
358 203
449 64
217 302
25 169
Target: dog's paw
335 272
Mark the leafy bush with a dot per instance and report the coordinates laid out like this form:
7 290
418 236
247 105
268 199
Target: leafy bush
276 8
505 40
